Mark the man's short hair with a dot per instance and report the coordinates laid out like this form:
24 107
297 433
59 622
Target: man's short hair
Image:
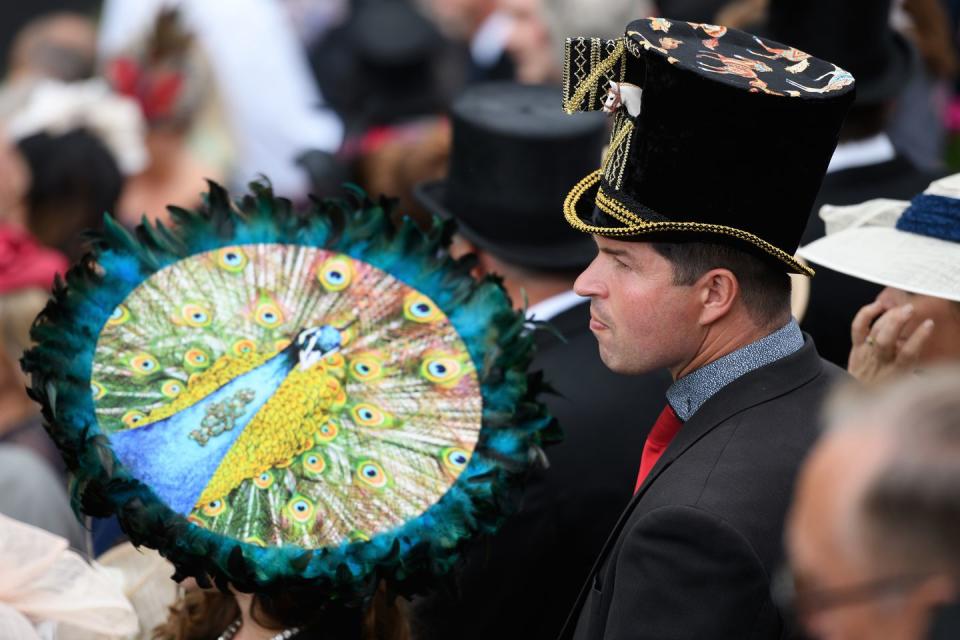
910 509
764 287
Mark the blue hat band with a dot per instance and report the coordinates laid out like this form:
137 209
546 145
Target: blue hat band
932 216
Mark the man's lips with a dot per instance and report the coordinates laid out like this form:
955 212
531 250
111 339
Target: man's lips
596 324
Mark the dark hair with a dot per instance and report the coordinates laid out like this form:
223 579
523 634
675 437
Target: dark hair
203 614
764 287
74 181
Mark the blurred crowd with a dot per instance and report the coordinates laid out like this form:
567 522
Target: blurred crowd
126 107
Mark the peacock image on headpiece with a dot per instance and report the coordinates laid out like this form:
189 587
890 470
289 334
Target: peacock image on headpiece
281 399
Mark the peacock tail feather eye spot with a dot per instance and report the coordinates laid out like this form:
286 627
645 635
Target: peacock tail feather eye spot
334 360
314 463
366 368
301 509
192 519
264 480
455 459
171 388
119 316
327 431
232 259
368 415
441 368
196 358
243 347
196 315
268 315
97 390
419 308
336 273
372 474
133 418
214 508
144 364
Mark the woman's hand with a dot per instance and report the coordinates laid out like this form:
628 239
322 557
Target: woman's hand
880 351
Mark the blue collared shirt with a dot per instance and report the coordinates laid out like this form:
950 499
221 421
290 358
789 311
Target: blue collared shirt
688 394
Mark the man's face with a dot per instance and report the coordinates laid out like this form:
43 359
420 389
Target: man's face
642 321
829 551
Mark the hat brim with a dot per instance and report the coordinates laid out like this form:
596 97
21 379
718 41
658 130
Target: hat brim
587 197
892 258
558 256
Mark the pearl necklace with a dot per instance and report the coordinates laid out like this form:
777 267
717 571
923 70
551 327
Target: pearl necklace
235 627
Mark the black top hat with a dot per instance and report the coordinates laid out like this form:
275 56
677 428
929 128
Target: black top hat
855 34
514 157
717 133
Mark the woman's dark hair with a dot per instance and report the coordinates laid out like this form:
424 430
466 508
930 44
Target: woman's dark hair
74 181
203 614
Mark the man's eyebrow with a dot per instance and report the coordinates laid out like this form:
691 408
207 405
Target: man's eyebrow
612 252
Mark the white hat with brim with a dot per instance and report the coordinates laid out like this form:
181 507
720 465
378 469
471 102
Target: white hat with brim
862 241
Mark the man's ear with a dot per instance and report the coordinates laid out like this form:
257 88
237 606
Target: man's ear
718 291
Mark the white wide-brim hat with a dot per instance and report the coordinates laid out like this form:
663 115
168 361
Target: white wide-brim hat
913 246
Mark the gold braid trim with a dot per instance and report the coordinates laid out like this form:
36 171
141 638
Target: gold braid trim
634 225
589 83
624 131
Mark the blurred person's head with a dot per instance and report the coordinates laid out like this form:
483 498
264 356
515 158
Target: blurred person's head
540 28
74 180
874 532
514 155
207 613
59 46
165 73
460 19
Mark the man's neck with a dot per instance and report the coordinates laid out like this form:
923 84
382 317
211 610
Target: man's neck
717 344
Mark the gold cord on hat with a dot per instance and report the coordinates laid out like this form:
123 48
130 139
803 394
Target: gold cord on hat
634 225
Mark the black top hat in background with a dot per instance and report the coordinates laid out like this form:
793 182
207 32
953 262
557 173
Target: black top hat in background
855 34
514 157
728 136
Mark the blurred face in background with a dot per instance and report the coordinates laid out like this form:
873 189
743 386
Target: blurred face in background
529 44
845 587
944 342
459 19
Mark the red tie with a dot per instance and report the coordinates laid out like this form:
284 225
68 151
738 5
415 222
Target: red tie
658 439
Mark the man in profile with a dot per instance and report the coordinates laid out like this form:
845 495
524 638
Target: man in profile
514 155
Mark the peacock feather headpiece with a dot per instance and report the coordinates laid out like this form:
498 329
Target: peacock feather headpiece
277 399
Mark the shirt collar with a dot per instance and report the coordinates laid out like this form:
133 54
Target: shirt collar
553 306
688 394
862 153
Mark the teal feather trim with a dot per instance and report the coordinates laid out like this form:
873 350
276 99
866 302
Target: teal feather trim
514 423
